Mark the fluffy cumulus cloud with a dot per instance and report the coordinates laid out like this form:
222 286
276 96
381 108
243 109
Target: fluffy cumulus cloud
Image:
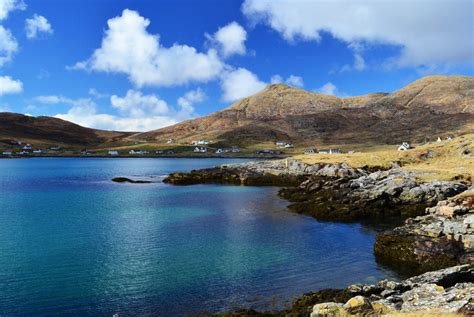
36 25
230 39
6 6
10 86
292 80
190 98
128 48
88 116
8 46
240 83
135 111
429 33
137 105
327 89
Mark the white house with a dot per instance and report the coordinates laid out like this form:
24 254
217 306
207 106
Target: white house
280 143
449 138
219 151
170 141
235 149
439 139
309 151
27 147
113 153
288 145
38 151
404 147
200 150
7 153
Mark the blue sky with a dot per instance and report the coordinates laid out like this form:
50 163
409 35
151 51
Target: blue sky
141 65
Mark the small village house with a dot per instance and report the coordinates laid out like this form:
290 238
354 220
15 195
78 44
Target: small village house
113 153
404 147
220 151
200 150
7 153
309 151
235 149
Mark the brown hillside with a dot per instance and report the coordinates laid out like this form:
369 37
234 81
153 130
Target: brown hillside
436 105
50 130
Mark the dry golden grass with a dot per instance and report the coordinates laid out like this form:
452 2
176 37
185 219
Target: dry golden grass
424 314
434 161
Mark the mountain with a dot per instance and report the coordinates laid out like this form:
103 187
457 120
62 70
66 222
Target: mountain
49 130
431 106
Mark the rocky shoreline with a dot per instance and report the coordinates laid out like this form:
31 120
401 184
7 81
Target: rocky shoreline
438 233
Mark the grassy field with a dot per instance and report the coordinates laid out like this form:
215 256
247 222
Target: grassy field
444 160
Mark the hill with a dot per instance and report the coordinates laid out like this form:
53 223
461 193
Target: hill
49 131
431 106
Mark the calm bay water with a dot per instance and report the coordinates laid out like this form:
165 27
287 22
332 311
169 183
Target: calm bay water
74 243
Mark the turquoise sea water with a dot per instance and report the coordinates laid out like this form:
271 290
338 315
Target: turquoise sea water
74 243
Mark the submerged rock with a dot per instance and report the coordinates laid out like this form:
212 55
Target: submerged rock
132 181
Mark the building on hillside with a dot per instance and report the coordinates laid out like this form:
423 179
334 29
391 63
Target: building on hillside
39 151
170 141
288 145
235 149
113 153
309 151
439 139
404 147
7 153
449 138
55 148
200 150
27 147
220 151
280 143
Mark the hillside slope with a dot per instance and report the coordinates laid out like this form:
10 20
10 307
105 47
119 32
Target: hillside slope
48 130
431 106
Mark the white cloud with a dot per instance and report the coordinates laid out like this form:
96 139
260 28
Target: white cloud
10 86
327 89
230 39
8 46
240 83
97 94
187 101
136 105
292 80
6 6
128 48
295 81
432 32
58 99
136 111
89 117
36 25
276 79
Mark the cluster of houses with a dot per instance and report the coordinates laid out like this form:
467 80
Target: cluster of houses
28 149
405 146
322 151
284 145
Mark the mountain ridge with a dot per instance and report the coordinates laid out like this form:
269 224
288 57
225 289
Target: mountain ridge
426 108
283 112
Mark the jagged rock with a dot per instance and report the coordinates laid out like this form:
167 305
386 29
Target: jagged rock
326 309
430 242
358 305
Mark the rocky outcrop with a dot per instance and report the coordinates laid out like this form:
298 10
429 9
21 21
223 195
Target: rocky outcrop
335 192
448 290
442 238
393 192
287 172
